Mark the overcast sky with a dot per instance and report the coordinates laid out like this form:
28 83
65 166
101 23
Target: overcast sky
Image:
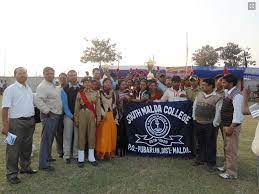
38 33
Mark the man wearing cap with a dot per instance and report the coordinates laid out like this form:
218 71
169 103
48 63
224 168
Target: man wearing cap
18 119
192 92
161 83
87 116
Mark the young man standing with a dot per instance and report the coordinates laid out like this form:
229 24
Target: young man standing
70 135
231 118
18 119
206 113
175 93
59 133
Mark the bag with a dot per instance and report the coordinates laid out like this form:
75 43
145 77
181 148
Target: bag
255 143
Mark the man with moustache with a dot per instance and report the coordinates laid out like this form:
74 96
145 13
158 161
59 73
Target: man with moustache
48 101
18 119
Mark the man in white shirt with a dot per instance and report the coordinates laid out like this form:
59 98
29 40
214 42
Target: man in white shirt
48 101
174 93
18 101
231 120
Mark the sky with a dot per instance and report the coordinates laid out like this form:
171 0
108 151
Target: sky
39 33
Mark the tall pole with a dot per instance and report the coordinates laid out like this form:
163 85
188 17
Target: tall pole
187 50
4 61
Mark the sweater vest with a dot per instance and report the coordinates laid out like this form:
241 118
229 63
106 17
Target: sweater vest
227 109
206 108
71 96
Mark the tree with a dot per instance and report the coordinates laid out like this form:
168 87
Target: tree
101 51
235 56
206 56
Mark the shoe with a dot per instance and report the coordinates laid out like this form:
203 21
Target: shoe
227 176
48 169
211 168
51 160
75 160
68 161
29 171
197 163
221 169
81 164
94 163
14 180
60 155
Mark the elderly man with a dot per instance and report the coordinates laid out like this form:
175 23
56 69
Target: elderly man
48 101
18 119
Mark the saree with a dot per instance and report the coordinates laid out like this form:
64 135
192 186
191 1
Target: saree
106 137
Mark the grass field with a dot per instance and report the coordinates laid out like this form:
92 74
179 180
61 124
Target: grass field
137 174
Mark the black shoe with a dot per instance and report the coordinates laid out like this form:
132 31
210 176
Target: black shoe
51 160
94 163
197 163
81 164
14 180
211 168
61 155
29 171
48 169
68 161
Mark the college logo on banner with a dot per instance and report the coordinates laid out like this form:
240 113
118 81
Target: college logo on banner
159 128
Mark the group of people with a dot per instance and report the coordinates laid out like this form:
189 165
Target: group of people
3 86
87 117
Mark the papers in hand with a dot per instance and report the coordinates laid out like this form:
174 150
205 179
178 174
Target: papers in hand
10 139
254 110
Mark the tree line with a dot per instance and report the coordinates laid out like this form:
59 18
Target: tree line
104 51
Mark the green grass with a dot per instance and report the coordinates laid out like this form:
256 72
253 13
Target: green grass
137 174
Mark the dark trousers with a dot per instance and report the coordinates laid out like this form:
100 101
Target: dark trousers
58 134
49 127
206 134
122 140
21 150
195 143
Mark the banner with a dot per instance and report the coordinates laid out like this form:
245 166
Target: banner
163 128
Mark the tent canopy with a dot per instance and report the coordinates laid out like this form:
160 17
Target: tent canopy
211 72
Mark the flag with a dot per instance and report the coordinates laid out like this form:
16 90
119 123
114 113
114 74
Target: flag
225 70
